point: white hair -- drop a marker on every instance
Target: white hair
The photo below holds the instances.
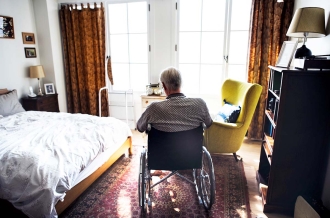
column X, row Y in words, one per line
column 171, row 77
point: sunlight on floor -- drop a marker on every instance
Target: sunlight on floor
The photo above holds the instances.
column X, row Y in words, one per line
column 123, row 199
column 257, row 197
column 172, row 194
column 155, row 179
column 259, row 207
column 241, row 213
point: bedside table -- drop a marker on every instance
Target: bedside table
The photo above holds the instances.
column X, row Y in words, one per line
column 148, row 99
column 41, row 103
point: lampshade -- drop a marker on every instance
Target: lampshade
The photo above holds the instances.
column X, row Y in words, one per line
column 37, row 72
column 307, row 20
column 308, row 23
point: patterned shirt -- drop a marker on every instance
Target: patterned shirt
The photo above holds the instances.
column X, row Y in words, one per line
column 176, row 113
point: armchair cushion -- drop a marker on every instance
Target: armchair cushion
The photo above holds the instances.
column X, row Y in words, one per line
column 228, row 113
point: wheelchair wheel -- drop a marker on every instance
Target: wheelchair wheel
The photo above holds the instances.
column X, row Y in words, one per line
column 141, row 178
column 144, row 183
column 207, row 180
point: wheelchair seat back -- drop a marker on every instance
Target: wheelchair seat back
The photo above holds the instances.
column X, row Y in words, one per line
column 175, row 150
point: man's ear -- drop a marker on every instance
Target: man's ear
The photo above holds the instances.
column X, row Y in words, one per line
column 165, row 88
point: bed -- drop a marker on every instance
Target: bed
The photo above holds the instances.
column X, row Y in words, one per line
column 48, row 159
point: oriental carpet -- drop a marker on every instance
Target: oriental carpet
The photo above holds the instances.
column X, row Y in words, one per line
column 115, row 193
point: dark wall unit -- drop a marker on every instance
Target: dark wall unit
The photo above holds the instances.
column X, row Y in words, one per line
column 295, row 148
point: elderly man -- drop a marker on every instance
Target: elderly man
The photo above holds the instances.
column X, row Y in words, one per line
column 177, row 112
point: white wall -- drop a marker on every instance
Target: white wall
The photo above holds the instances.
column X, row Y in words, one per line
column 162, row 14
column 14, row 66
column 48, row 30
column 41, row 18
column 320, row 46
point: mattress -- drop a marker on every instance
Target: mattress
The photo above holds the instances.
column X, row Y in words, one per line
column 44, row 154
column 99, row 161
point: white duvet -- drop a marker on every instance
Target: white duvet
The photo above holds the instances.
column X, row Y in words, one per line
column 42, row 153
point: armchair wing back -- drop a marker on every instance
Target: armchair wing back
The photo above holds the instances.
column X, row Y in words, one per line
column 228, row 137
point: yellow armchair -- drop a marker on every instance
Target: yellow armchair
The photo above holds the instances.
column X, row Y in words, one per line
column 228, row 137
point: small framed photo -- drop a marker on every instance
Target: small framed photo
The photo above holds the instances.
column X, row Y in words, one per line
column 285, row 57
column 49, row 88
column 28, row 38
column 30, row 52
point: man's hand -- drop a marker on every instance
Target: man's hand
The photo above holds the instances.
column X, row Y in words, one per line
column 148, row 128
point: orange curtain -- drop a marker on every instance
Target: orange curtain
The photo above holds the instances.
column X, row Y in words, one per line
column 270, row 21
column 83, row 38
column 109, row 70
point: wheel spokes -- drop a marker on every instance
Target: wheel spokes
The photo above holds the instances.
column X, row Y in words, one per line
column 206, row 186
column 207, row 180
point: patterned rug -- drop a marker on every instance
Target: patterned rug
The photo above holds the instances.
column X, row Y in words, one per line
column 115, row 193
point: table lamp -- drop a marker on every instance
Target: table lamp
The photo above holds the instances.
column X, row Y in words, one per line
column 37, row 72
column 307, row 23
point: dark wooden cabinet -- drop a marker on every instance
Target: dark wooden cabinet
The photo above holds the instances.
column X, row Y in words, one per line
column 296, row 142
column 41, row 103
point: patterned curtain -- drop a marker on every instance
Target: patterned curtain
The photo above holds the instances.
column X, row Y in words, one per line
column 83, row 38
column 109, row 70
column 270, row 21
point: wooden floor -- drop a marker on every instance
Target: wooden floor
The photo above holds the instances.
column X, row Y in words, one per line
column 250, row 152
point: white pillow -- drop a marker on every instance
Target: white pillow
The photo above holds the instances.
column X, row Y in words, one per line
column 9, row 104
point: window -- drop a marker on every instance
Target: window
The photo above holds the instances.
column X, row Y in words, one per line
column 128, row 44
column 212, row 43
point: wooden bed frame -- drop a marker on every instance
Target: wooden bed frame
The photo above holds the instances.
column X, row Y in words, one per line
column 77, row 190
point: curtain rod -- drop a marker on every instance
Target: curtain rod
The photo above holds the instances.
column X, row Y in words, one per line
column 81, row 3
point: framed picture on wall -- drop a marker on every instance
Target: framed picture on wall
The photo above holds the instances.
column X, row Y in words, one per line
column 7, row 27
column 28, row 38
column 49, row 88
column 30, row 52
column 285, row 57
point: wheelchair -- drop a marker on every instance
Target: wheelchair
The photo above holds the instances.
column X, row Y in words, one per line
column 174, row 151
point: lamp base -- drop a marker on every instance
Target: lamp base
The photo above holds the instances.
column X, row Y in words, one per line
column 39, row 92
column 303, row 52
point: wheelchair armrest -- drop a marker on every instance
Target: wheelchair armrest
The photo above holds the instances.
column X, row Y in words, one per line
column 227, row 125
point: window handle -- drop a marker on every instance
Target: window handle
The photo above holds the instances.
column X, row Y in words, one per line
column 225, row 58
